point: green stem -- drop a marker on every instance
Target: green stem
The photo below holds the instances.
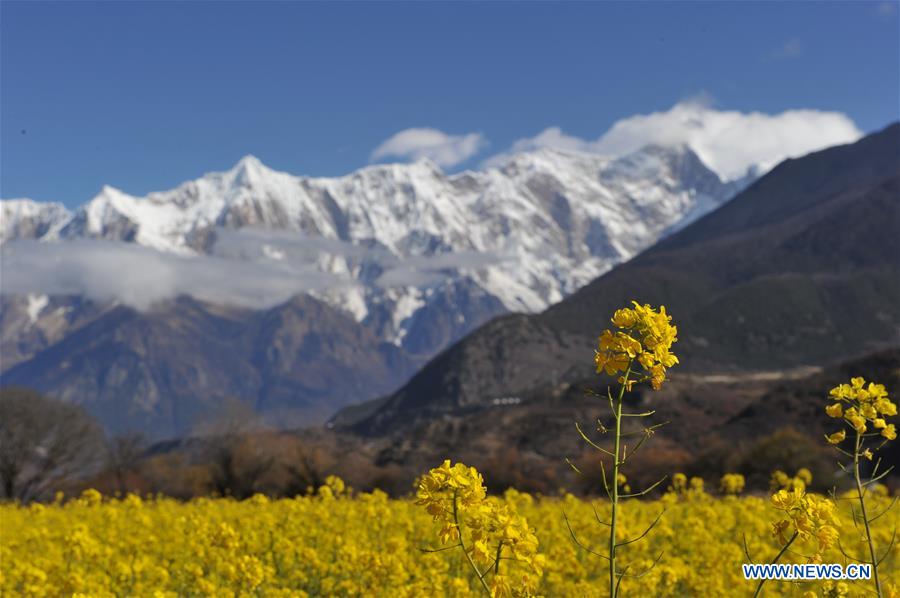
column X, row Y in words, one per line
column 617, row 412
column 775, row 560
column 463, row 546
column 497, row 562
column 865, row 517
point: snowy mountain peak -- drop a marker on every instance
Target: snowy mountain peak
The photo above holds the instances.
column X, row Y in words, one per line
column 401, row 244
column 29, row 219
column 249, row 161
column 249, row 170
column 111, row 195
column 430, row 165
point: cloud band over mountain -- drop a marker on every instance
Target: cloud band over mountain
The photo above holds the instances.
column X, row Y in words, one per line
column 443, row 149
column 249, row 268
column 728, row 141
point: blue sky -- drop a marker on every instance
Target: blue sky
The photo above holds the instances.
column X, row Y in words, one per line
column 143, row 96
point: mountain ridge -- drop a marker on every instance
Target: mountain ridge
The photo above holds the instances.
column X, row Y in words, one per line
column 177, row 362
column 576, row 206
column 400, row 259
column 752, row 285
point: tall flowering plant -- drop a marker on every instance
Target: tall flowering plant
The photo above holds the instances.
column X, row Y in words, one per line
column 805, row 518
column 637, row 350
column 865, row 410
column 485, row 531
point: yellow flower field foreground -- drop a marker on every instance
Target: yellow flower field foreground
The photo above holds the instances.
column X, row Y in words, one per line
column 369, row 545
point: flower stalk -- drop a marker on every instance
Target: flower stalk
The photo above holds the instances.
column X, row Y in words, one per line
column 861, row 495
column 456, row 498
column 774, row 561
column 614, row 578
column 640, row 349
column 465, row 551
column 865, row 409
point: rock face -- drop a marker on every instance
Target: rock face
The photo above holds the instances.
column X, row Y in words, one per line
column 420, row 259
column 26, row 219
column 164, row 371
column 527, row 234
column 802, row 268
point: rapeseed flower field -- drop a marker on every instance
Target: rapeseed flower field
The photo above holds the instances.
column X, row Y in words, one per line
column 337, row 543
column 451, row 538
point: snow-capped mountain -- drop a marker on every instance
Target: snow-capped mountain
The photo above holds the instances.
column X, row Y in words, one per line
column 27, row 219
column 308, row 294
column 410, row 237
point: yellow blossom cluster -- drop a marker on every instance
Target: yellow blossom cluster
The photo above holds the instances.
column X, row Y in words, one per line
column 641, row 344
column 831, row 589
column 862, row 405
column 499, row 540
column 731, row 483
column 446, row 491
column 683, row 488
column 782, row 481
column 366, row 544
column 333, row 487
column 806, row 516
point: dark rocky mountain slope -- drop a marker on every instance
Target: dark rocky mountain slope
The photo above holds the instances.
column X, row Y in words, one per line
column 800, row 269
column 164, row 371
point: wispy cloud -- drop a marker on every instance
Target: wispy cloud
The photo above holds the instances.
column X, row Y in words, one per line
column 887, row 9
column 141, row 277
column 388, row 269
column 248, row 268
column 729, row 142
column 792, row 48
column 429, row 270
column 445, row 150
column 256, row 243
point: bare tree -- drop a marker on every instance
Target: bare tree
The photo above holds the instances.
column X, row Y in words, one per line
column 43, row 442
column 123, row 453
column 236, row 457
column 307, row 467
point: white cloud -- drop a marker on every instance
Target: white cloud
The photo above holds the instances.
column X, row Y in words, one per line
column 423, row 271
column 729, row 142
column 445, row 150
column 249, row 268
column 549, row 137
column 887, row 9
column 141, row 277
column 792, row 48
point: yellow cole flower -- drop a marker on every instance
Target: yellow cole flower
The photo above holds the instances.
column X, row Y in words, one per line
column 485, row 529
column 779, row 479
column 868, row 404
column 732, row 483
column 857, row 421
column 783, row 481
column 643, row 341
column 834, row 410
column 625, row 318
column 697, row 484
column 841, row 392
column 785, row 501
column 366, row 544
column 837, row 437
column 868, row 411
column 885, row 407
column 807, row 516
